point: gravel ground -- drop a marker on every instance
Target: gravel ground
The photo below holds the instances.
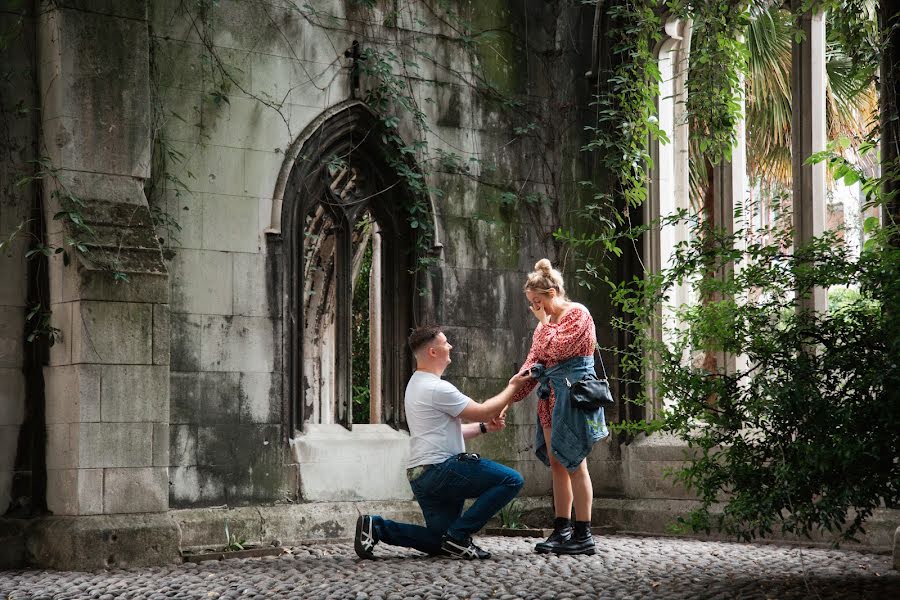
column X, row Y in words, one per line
column 623, row 568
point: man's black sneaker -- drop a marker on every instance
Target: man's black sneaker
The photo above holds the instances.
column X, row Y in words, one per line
column 463, row 548
column 364, row 542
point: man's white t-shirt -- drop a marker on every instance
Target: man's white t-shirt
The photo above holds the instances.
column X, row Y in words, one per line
column 432, row 413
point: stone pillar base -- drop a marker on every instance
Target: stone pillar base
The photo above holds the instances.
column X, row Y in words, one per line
column 101, row 542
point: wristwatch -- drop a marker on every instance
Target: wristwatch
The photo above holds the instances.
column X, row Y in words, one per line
column 483, row 427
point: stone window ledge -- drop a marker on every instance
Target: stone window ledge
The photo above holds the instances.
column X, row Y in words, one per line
column 368, row 463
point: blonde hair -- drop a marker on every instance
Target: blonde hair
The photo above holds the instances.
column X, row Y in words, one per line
column 545, row 278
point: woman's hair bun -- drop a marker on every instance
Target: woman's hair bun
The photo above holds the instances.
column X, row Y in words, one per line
column 543, row 265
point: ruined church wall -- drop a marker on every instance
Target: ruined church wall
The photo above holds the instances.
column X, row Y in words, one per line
column 227, row 138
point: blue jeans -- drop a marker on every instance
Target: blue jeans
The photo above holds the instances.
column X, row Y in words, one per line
column 441, row 491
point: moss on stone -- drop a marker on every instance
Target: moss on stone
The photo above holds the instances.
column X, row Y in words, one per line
column 502, row 60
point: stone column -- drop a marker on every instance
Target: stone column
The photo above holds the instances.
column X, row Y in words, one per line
column 730, row 192
column 107, row 382
column 669, row 178
column 807, row 137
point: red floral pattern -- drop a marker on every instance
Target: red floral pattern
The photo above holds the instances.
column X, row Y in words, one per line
column 554, row 343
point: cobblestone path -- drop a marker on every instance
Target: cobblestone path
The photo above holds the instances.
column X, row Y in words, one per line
column 625, row 567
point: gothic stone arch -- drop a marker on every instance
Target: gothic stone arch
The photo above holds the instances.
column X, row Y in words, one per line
column 339, row 172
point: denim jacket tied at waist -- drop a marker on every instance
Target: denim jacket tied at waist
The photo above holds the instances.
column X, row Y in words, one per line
column 574, row 431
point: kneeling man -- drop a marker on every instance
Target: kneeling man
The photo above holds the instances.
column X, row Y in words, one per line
column 442, row 475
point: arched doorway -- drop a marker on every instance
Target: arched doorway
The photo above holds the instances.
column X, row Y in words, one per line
column 345, row 228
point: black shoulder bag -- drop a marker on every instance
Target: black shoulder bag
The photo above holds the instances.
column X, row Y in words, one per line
column 590, row 392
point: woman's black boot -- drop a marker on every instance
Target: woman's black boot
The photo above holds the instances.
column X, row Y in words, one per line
column 562, row 532
column 581, row 542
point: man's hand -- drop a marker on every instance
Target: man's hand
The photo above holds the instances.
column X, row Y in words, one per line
column 497, row 423
column 519, row 379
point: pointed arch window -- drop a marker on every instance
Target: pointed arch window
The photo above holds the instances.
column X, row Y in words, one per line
column 351, row 298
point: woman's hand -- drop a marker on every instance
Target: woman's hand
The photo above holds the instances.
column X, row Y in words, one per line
column 539, row 313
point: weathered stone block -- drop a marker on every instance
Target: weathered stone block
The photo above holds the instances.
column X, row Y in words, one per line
column 134, row 393
column 130, row 9
column 110, row 445
column 184, row 488
column 253, row 286
column 112, row 333
column 161, row 336
column 127, row 153
column 75, row 491
column 182, row 114
column 6, row 477
column 654, row 479
column 201, row 486
column 13, row 265
column 240, row 445
column 260, row 397
column 245, row 25
column 657, row 447
column 62, row 446
column 323, row 521
column 260, row 173
column 492, row 352
column 231, row 223
column 161, row 445
column 184, row 348
column 240, row 344
column 94, row 284
column 210, row 169
column 8, row 444
column 335, row 464
column 169, row 19
column 72, row 393
column 182, row 445
column 219, row 398
column 12, row 335
column 230, row 73
column 274, row 78
column 201, row 282
column 81, row 68
column 185, row 398
column 181, row 63
column 103, row 542
column 186, row 210
column 487, row 298
column 484, row 243
column 135, row 490
column 202, row 527
column 12, row 537
column 61, row 319
column 248, row 123
column 12, row 396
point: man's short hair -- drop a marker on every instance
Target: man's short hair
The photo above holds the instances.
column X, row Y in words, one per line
column 421, row 336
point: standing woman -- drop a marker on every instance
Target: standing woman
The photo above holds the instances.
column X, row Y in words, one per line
column 562, row 350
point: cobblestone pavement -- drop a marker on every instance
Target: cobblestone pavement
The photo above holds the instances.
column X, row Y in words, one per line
column 625, row 567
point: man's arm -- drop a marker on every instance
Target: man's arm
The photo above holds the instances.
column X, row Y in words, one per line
column 476, row 412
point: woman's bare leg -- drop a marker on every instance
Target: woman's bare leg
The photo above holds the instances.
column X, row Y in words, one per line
column 582, row 490
column 562, row 485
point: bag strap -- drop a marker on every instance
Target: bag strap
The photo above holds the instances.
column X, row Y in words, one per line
column 600, row 358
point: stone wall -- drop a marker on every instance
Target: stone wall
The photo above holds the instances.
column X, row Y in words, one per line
column 237, row 83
